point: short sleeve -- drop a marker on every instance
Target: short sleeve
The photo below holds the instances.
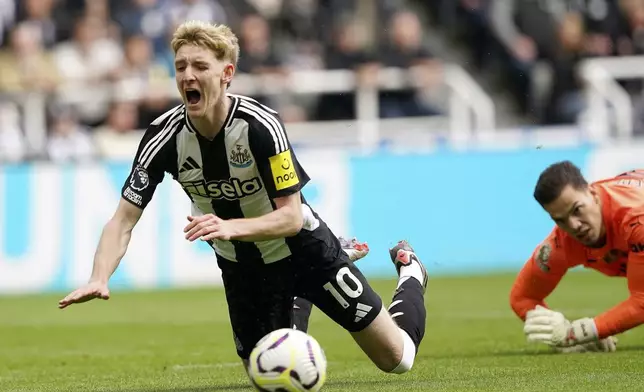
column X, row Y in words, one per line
column 152, row 160
column 277, row 163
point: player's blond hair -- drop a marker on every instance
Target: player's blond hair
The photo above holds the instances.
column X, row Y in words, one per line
column 219, row 38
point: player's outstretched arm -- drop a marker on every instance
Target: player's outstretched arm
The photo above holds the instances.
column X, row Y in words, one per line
column 537, row 279
column 553, row 329
column 112, row 246
column 539, row 276
column 629, row 313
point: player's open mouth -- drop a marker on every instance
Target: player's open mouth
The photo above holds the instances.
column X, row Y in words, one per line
column 193, row 96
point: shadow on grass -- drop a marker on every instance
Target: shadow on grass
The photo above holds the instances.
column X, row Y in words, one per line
column 230, row 387
column 243, row 386
column 517, row 353
column 247, row 387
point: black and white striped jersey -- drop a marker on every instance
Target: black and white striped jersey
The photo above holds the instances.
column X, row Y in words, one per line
column 236, row 175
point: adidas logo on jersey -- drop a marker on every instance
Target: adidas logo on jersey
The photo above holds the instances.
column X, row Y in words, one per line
column 189, row 164
column 362, row 310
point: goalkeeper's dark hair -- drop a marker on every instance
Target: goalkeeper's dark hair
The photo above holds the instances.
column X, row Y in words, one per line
column 555, row 178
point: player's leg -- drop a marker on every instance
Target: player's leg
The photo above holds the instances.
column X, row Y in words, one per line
column 301, row 313
column 389, row 340
column 394, row 336
column 302, row 307
column 259, row 299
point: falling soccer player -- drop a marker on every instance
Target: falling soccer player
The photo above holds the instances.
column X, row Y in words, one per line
column 233, row 158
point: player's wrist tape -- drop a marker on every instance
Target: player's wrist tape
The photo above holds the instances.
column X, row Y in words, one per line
column 580, row 331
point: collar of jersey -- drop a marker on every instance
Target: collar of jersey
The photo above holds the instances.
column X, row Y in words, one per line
column 227, row 122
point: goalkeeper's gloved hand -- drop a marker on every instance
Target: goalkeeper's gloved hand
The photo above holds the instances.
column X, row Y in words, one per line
column 607, row 345
column 552, row 328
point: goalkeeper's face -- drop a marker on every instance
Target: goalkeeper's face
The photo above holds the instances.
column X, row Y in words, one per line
column 578, row 212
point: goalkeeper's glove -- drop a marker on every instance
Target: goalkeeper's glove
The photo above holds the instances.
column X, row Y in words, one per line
column 552, row 328
column 607, row 345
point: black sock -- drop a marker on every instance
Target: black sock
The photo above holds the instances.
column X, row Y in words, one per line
column 408, row 309
column 301, row 313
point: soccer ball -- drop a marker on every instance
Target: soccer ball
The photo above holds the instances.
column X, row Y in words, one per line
column 287, row 360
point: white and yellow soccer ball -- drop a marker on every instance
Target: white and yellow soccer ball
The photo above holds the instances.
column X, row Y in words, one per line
column 287, row 360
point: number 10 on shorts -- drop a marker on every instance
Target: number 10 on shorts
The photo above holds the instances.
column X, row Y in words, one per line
column 342, row 284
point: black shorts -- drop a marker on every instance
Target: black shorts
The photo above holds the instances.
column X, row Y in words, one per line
column 260, row 298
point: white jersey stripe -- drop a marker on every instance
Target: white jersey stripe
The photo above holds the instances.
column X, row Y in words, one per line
column 167, row 132
column 275, row 127
column 257, row 103
column 268, row 126
column 158, row 121
column 155, row 140
column 162, row 117
column 281, row 136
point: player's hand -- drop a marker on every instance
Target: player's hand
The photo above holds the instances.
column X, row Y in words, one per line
column 86, row 293
column 208, row 227
column 550, row 327
column 607, row 345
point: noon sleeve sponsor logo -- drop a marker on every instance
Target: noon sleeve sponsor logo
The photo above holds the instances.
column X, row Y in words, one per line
column 283, row 170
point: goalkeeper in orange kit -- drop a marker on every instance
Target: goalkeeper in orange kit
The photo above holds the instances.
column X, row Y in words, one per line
column 600, row 226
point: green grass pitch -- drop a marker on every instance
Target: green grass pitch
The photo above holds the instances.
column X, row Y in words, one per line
column 181, row 341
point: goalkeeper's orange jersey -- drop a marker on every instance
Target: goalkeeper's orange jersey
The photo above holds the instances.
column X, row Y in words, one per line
column 623, row 255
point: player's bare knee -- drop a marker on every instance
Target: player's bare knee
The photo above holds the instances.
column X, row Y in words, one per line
column 388, row 347
column 404, row 360
column 388, row 358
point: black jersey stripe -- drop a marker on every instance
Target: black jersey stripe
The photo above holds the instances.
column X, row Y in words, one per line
column 214, row 158
column 278, row 146
column 277, row 130
column 170, row 117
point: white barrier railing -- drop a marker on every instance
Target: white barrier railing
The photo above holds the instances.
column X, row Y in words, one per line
column 469, row 109
column 610, row 109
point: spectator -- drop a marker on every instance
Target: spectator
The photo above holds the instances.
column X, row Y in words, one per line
column 476, row 29
column 7, row 18
column 259, row 57
column 85, row 63
column 26, row 66
column 565, row 101
column 259, row 54
column 604, row 24
column 114, row 138
column 206, row 10
column 405, row 50
column 69, row 140
column 141, row 80
column 38, row 13
column 12, row 143
column 346, row 51
column 527, row 32
column 634, row 44
column 147, row 18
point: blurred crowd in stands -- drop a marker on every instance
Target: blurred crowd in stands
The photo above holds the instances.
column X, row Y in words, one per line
column 104, row 64
column 532, row 47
